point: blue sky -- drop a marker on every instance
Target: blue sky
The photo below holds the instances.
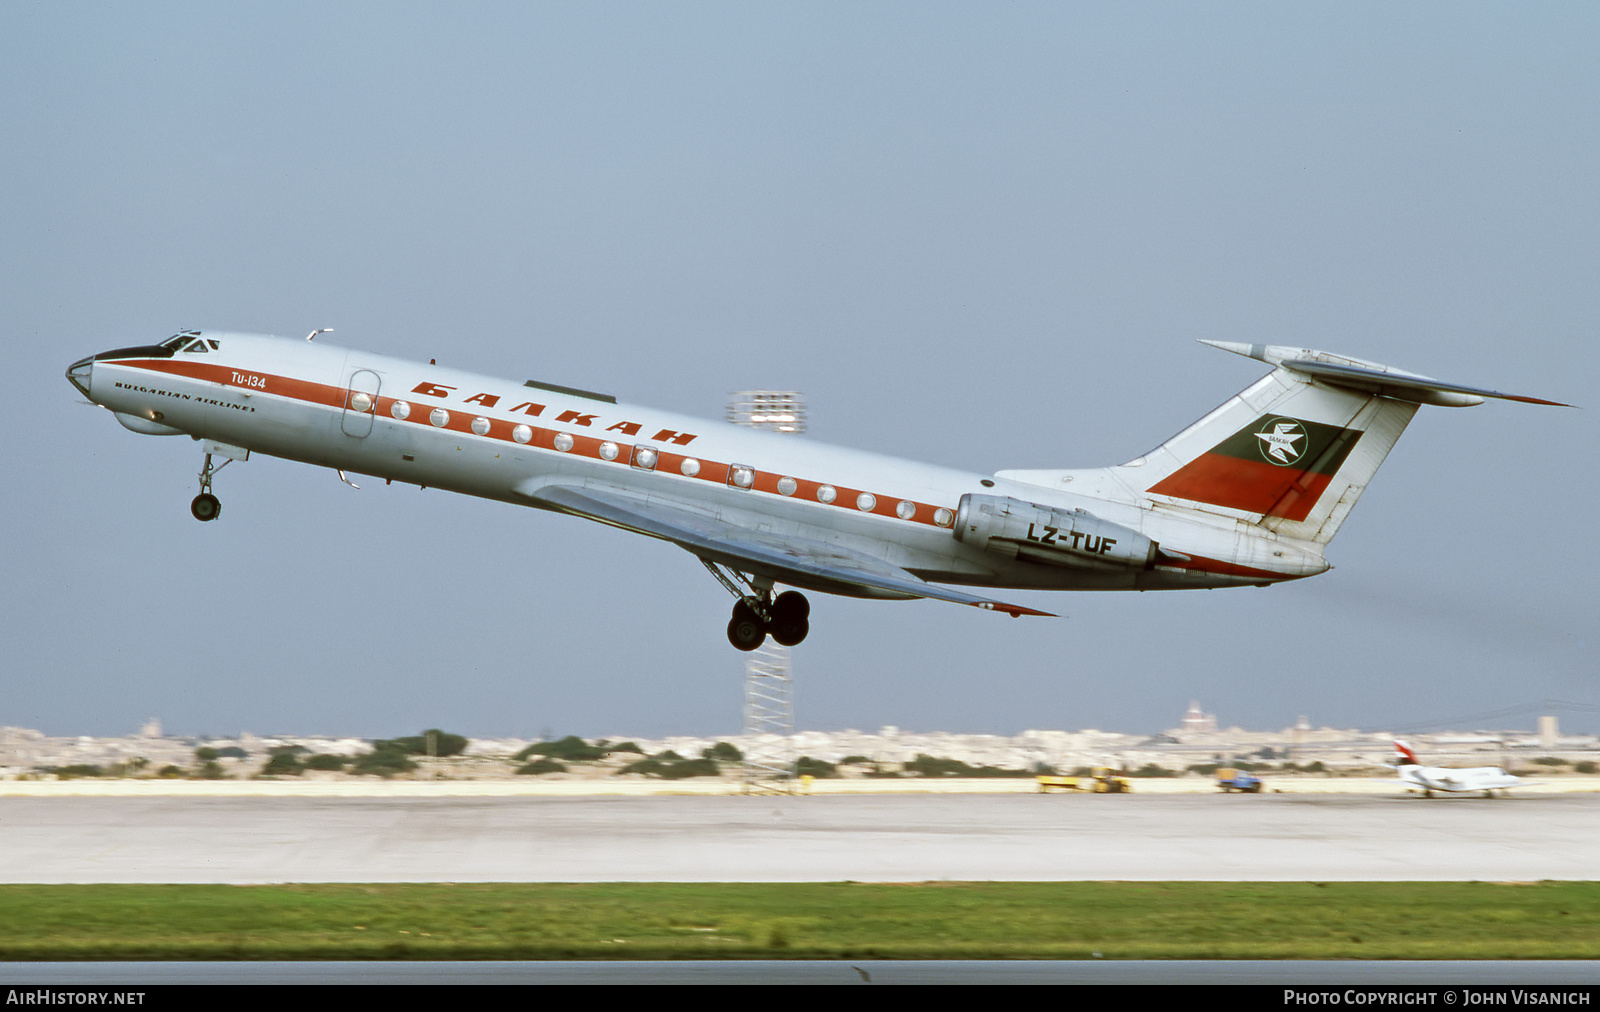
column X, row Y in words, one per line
column 978, row 235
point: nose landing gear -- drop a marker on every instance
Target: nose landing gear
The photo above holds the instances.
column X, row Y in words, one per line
column 206, row 507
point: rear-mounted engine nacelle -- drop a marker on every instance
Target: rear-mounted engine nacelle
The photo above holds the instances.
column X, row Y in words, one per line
column 1058, row 537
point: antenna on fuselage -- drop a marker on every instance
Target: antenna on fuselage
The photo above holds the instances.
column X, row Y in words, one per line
column 314, row 333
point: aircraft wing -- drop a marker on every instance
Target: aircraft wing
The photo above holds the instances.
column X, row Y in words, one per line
column 798, row 561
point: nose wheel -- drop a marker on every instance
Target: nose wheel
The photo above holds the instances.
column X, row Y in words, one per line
column 206, row 507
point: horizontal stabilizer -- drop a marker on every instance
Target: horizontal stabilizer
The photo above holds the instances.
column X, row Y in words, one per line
column 1371, row 377
column 1402, row 385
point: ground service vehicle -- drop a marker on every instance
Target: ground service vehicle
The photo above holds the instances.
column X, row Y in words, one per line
column 1230, row 780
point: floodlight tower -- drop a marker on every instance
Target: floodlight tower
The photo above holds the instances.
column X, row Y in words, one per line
column 768, row 691
column 774, row 410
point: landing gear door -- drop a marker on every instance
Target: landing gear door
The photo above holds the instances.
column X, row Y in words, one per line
column 360, row 403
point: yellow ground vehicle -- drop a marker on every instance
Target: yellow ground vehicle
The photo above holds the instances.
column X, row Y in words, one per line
column 1101, row 780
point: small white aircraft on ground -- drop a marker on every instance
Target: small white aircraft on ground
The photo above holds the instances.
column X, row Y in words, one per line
column 1248, row 496
column 1428, row 779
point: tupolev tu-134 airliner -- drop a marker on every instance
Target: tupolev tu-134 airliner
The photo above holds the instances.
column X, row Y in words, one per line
column 1247, row 496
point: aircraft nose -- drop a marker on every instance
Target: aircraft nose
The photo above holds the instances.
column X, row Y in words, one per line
column 81, row 375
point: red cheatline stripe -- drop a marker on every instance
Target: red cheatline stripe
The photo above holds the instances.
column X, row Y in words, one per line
column 583, row 445
column 1201, row 564
column 283, row 386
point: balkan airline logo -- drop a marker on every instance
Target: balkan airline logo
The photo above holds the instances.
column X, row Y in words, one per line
column 1283, row 441
column 1276, row 466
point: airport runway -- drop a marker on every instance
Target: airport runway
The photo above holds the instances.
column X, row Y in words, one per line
column 889, row 838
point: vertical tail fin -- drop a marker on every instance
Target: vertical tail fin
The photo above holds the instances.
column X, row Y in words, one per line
column 1291, row 454
column 1295, row 450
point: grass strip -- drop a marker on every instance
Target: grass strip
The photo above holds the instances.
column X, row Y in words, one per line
column 840, row 920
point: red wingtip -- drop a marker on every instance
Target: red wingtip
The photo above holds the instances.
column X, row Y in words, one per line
column 1014, row 610
column 1534, row 400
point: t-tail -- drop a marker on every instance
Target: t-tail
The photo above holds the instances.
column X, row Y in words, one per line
column 1295, row 450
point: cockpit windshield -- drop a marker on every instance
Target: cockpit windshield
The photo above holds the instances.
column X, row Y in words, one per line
column 190, row 341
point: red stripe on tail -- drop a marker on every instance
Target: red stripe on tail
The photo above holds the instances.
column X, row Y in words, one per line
column 1248, row 485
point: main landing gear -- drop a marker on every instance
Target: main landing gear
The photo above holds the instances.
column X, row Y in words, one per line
column 786, row 619
column 757, row 614
column 207, row 507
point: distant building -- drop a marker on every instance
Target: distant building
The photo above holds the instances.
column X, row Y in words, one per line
column 1197, row 722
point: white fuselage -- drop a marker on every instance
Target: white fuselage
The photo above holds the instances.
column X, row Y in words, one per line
column 1475, row 778
column 444, row 428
